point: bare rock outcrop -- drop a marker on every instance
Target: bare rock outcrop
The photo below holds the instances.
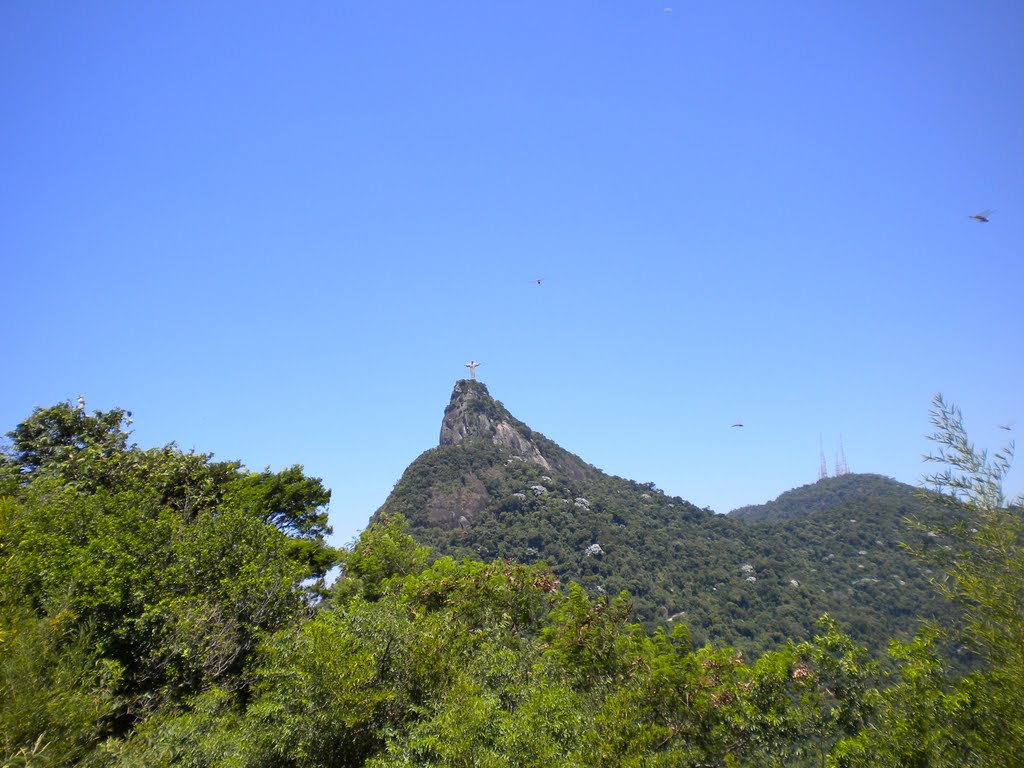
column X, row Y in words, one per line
column 472, row 414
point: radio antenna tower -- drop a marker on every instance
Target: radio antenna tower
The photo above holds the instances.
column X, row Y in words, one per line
column 823, row 467
column 842, row 468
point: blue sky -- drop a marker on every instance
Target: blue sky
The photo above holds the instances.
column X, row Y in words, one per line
column 276, row 232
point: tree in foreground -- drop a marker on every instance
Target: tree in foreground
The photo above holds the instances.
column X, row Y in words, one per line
column 928, row 717
column 133, row 580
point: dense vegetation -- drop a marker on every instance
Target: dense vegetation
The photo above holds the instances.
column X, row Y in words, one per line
column 159, row 608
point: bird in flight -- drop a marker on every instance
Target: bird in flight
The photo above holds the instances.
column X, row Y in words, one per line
column 537, row 280
column 1008, row 426
column 982, row 217
column 738, row 424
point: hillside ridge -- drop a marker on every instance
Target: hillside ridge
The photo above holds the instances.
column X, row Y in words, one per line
column 495, row 489
column 824, row 494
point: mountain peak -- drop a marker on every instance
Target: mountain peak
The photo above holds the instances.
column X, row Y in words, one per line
column 472, row 414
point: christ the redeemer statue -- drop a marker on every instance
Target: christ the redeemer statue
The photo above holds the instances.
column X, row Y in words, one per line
column 472, row 364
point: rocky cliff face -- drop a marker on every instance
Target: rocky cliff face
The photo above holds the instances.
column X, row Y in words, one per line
column 473, row 414
column 484, row 454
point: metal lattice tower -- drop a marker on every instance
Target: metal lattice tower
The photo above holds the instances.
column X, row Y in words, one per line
column 823, row 467
column 842, row 468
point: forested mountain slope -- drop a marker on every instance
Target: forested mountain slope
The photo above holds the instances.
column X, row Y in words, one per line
column 494, row 488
